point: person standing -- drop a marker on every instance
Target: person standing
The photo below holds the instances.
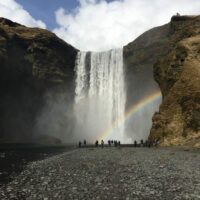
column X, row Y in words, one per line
column 119, row 144
column 97, row 143
column 84, row 142
column 135, row 143
column 102, row 143
column 79, row 144
column 141, row 143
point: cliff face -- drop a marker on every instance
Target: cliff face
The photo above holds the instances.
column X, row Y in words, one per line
column 36, row 67
column 139, row 57
column 178, row 75
column 33, row 63
column 169, row 55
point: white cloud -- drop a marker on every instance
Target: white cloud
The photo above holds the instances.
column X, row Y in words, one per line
column 10, row 9
column 99, row 25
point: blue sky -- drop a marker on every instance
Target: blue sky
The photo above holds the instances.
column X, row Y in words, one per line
column 96, row 25
column 45, row 9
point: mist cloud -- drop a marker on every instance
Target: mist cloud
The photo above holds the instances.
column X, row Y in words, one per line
column 10, row 9
column 99, row 25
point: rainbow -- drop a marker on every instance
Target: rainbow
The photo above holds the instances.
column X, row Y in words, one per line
column 131, row 111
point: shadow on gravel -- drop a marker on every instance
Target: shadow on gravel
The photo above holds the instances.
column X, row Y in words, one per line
column 14, row 157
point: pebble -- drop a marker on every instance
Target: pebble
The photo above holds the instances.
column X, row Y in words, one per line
column 125, row 174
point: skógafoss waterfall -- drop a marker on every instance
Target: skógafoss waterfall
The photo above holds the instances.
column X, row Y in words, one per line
column 100, row 95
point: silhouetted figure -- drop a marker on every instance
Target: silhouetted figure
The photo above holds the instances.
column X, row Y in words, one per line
column 115, row 143
column 97, row 143
column 79, row 144
column 109, row 143
column 84, row 142
column 178, row 14
column 102, row 143
column 146, row 143
column 135, row 143
column 150, row 143
column 119, row 143
column 141, row 143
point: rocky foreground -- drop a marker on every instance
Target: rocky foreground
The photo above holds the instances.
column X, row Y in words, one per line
column 110, row 173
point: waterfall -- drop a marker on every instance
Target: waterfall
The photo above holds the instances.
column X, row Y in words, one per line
column 100, row 95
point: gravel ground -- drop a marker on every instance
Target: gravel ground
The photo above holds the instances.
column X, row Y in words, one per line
column 110, row 173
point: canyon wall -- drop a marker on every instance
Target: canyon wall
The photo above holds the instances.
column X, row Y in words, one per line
column 178, row 75
column 34, row 65
column 37, row 68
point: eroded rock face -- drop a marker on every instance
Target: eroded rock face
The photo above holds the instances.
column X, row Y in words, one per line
column 178, row 75
column 139, row 57
column 33, row 63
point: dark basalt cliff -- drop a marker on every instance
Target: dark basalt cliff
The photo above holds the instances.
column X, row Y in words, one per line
column 178, row 75
column 33, row 63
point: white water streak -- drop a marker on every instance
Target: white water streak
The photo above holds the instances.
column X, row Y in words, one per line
column 100, row 94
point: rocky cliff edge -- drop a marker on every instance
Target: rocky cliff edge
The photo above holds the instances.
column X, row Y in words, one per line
column 178, row 75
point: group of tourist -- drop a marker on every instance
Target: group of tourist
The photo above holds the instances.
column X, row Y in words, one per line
column 97, row 144
column 115, row 143
column 147, row 143
column 110, row 143
column 80, row 143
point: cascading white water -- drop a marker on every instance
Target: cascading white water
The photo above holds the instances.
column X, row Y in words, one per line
column 100, row 95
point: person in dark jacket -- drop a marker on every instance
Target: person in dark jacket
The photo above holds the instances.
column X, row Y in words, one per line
column 119, row 144
column 135, row 143
column 79, row 144
column 102, row 143
column 146, row 143
column 84, row 142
